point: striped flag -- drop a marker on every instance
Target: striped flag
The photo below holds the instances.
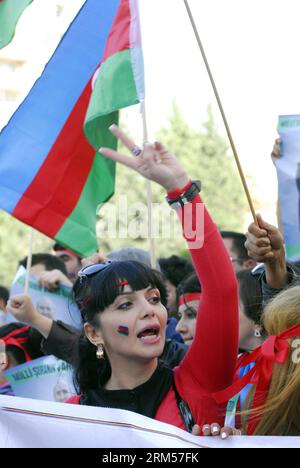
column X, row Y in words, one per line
column 119, row 81
column 51, row 178
column 10, row 12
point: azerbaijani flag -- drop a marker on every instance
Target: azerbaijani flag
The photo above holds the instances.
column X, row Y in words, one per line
column 10, row 12
column 51, row 178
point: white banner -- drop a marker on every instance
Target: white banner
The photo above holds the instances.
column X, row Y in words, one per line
column 28, row 423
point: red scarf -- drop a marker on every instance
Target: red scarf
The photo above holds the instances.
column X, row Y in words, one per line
column 14, row 340
column 188, row 297
column 275, row 350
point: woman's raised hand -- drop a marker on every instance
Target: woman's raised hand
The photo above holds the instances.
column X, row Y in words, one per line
column 154, row 161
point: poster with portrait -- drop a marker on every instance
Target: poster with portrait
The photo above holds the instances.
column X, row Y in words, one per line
column 57, row 305
column 46, row 378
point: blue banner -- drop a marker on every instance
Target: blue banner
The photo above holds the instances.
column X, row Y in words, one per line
column 288, row 173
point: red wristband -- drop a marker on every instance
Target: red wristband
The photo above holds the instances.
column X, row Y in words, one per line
column 177, row 192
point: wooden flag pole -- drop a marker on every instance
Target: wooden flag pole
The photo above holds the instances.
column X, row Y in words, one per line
column 149, row 193
column 236, row 157
column 29, row 261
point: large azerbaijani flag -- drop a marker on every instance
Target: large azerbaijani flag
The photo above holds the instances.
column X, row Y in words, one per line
column 10, row 12
column 51, row 177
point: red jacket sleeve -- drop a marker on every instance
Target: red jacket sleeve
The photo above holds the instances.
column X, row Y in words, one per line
column 210, row 363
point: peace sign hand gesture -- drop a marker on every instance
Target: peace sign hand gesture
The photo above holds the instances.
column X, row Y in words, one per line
column 155, row 162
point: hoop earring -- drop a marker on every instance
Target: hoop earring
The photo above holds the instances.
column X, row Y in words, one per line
column 100, row 352
column 257, row 333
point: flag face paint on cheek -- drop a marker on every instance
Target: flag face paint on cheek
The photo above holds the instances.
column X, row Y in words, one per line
column 123, row 330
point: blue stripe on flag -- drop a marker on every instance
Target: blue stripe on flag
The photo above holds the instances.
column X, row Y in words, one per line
column 31, row 132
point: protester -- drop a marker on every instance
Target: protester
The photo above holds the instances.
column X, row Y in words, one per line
column 60, row 339
column 20, row 344
column 235, row 246
column 265, row 244
column 251, row 332
column 71, row 260
column 125, row 298
column 4, row 295
column 188, row 296
column 49, row 270
column 272, row 407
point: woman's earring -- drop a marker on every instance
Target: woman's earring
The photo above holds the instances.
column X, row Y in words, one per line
column 257, row 333
column 100, row 352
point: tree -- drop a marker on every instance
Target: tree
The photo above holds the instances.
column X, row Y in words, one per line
column 14, row 241
column 206, row 157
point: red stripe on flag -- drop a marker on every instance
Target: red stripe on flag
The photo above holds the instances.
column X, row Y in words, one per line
column 119, row 37
column 56, row 189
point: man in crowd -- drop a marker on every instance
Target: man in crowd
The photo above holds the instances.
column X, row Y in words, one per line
column 71, row 260
column 50, row 270
column 235, row 245
column 265, row 244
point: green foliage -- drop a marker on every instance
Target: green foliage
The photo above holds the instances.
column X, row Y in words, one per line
column 205, row 156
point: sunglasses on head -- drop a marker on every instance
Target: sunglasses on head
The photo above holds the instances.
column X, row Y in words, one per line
column 93, row 269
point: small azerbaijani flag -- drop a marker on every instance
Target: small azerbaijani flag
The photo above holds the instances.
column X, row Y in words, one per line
column 10, row 12
column 51, row 178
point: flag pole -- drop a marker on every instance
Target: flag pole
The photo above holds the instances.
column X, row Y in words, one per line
column 29, row 261
column 149, row 193
column 235, row 153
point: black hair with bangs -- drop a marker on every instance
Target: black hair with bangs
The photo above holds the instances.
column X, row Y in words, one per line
column 93, row 294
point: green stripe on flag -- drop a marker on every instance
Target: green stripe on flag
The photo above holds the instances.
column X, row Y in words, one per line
column 79, row 230
column 115, row 89
column 10, row 12
column 293, row 250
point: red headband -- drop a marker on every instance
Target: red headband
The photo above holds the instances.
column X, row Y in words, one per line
column 275, row 350
column 189, row 297
column 14, row 340
column 67, row 251
column 123, row 283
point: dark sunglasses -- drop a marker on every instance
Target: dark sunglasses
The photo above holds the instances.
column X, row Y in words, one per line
column 93, row 269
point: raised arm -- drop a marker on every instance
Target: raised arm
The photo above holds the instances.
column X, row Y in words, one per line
column 212, row 358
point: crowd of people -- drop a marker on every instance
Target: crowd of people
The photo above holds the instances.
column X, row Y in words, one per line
column 208, row 343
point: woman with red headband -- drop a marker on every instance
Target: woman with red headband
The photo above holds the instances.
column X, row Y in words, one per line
column 125, row 320
column 18, row 344
column 189, row 296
